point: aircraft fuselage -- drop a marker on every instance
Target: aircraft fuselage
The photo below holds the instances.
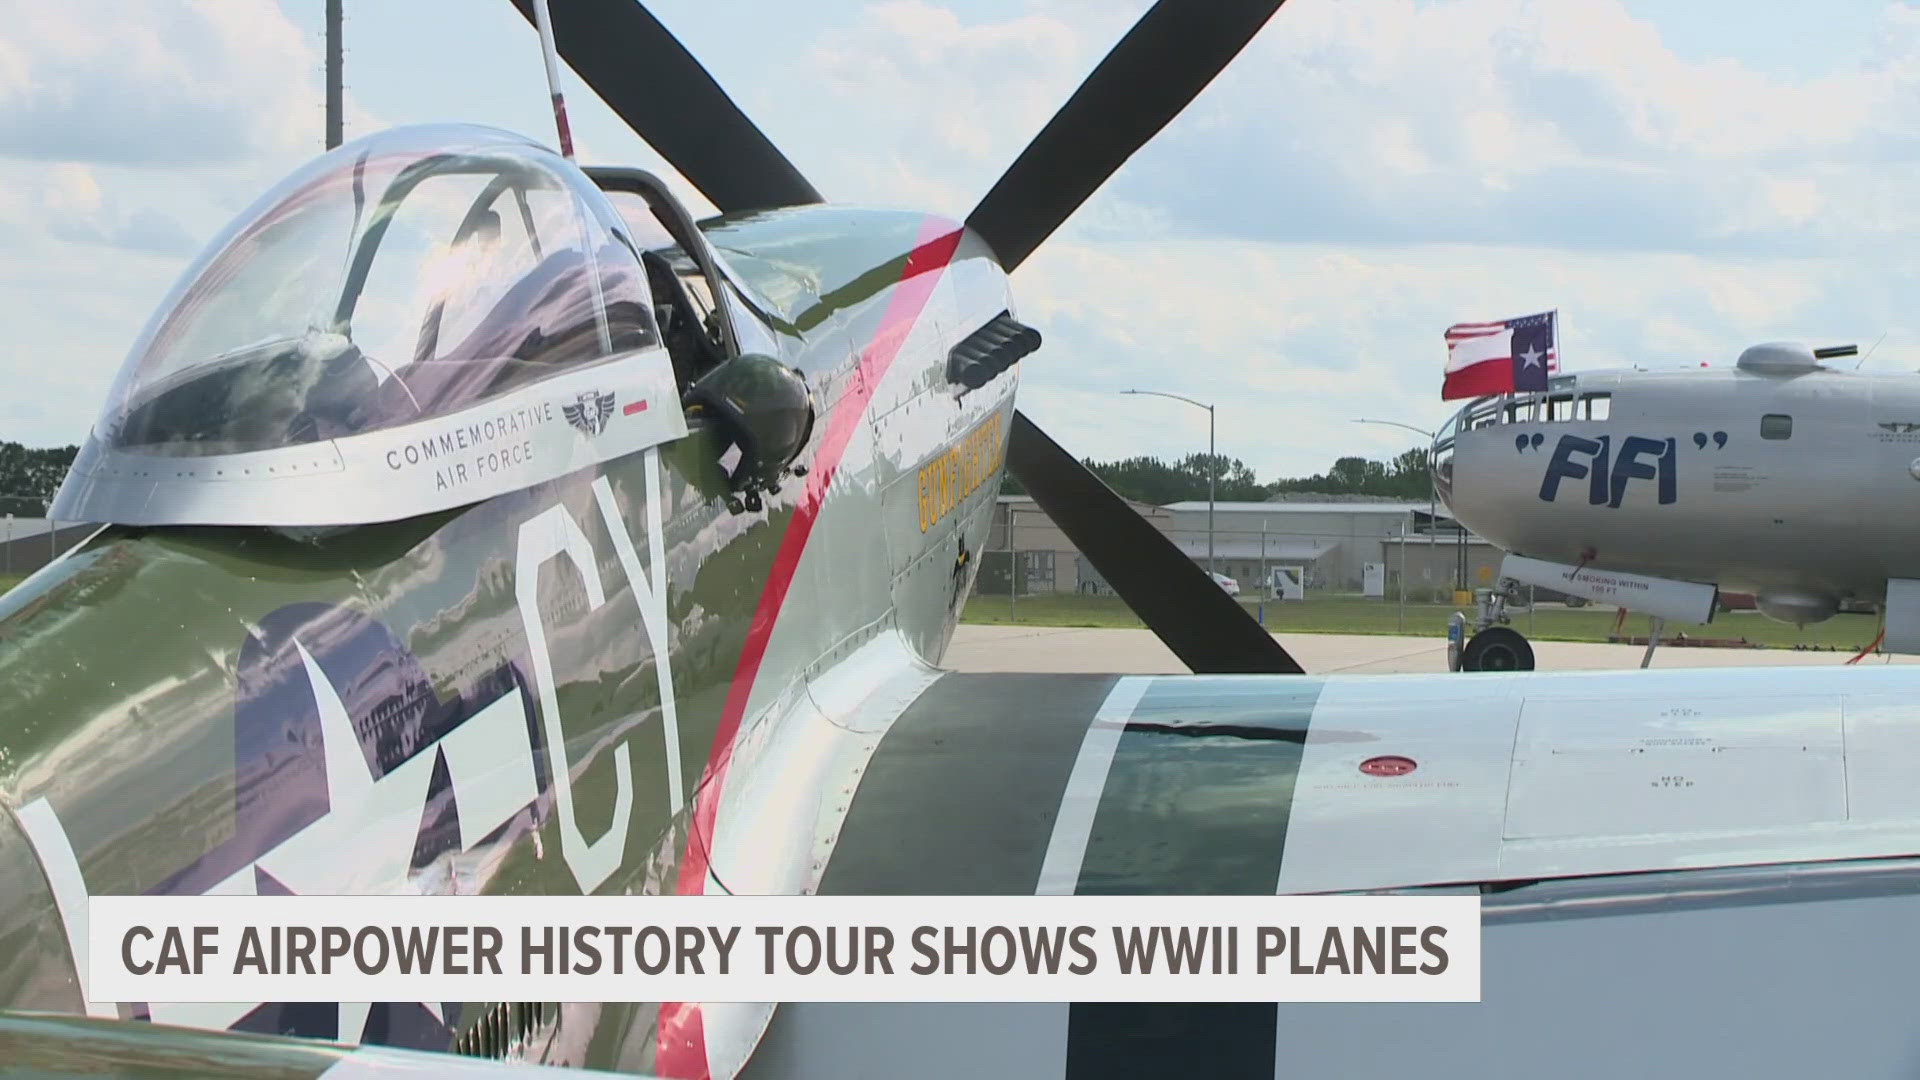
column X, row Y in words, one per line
column 1754, row 482
column 546, row 692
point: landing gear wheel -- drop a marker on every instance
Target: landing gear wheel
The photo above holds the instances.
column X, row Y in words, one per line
column 1497, row 648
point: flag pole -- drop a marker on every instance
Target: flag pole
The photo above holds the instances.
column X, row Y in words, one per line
column 544, row 24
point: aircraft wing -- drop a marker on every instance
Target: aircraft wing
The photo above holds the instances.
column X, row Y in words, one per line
column 43, row 1046
column 1249, row 784
column 1684, row 872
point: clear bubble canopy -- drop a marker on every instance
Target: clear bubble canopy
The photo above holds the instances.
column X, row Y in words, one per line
column 415, row 274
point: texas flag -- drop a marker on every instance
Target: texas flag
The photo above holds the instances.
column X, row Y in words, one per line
column 1501, row 357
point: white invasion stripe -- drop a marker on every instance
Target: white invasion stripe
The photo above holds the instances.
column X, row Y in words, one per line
column 649, row 592
column 62, row 867
column 1060, row 870
column 218, row 1015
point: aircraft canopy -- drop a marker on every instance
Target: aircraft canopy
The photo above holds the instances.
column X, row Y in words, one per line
column 418, row 274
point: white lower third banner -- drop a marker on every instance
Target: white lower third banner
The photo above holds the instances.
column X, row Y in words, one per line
column 783, row 948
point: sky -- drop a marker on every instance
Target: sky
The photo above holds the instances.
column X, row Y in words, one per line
column 1678, row 180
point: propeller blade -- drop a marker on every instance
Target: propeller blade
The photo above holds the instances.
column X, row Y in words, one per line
column 1207, row 629
column 1168, row 57
column 644, row 74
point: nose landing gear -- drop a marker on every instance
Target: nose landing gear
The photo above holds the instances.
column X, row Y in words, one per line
column 1497, row 648
column 1494, row 646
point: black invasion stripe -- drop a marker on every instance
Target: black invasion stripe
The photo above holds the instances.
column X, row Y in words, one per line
column 1196, row 803
column 960, row 797
column 958, row 800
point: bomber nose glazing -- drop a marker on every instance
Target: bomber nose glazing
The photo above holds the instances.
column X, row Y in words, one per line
column 1440, row 458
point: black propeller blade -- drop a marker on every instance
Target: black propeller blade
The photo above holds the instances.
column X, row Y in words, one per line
column 643, row 73
column 1164, row 61
column 1168, row 57
column 1207, row 629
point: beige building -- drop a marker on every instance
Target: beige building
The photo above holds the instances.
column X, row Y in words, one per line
column 1332, row 542
column 1048, row 561
column 1430, row 564
column 27, row 544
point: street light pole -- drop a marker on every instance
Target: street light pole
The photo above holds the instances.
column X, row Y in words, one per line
column 1212, row 464
column 1433, row 497
column 1212, row 470
column 335, row 95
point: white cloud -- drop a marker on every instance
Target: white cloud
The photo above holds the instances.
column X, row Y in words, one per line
column 177, row 82
column 1366, row 173
column 916, row 104
column 1520, row 121
column 1294, row 341
column 1565, row 122
column 130, row 131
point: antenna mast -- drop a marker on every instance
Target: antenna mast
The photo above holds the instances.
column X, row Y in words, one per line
column 545, row 25
column 334, row 58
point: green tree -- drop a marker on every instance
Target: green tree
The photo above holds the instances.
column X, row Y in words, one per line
column 1403, row 477
column 1148, row 480
column 28, row 477
column 1410, row 474
column 1151, row 480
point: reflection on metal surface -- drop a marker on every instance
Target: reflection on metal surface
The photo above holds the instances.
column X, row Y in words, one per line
column 189, row 745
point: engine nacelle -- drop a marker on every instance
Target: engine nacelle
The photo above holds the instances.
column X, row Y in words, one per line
column 1797, row 607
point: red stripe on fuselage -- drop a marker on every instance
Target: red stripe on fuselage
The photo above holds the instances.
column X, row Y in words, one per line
column 682, row 1044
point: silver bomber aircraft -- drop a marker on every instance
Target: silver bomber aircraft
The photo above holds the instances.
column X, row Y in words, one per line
column 478, row 523
column 1779, row 477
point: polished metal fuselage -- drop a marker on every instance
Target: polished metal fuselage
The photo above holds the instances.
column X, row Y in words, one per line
column 616, row 645
column 1826, row 500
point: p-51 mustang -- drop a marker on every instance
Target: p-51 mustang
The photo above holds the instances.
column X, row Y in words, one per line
column 1655, row 490
column 480, row 524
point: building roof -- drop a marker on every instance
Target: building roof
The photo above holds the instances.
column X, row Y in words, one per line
column 15, row 528
column 1394, row 508
column 1282, row 548
column 1144, row 509
column 1443, row 540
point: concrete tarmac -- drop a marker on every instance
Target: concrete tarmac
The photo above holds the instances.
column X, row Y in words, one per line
column 1138, row 652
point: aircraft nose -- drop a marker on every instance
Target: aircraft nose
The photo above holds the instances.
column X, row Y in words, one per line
column 1440, row 459
column 37, row 971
